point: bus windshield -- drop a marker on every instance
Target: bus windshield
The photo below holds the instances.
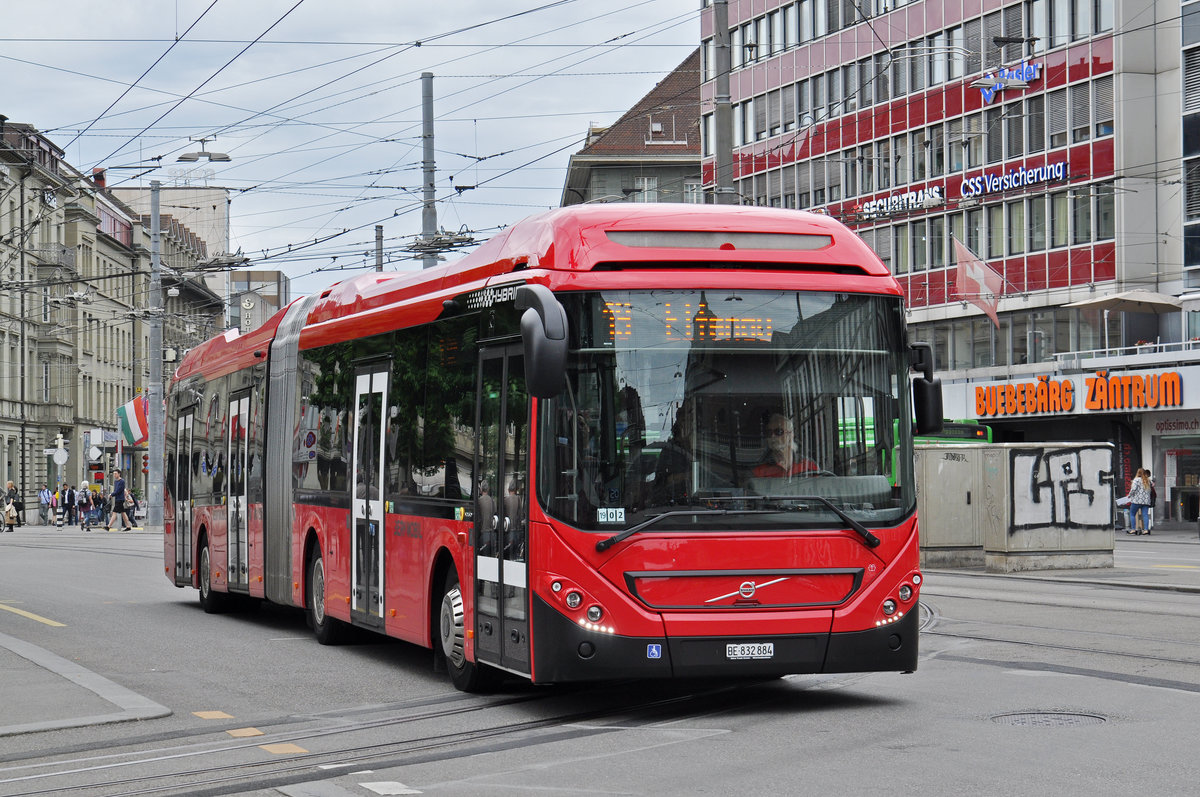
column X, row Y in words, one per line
column 749, row 405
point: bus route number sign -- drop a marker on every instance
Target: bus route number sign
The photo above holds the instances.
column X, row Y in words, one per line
column 749, row 650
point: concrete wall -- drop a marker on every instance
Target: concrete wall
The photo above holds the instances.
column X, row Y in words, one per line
column 1016, row 506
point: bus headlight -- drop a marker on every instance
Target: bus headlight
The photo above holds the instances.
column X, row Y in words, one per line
column 905, row 593
column 889, row 607
column 574, row 599
column 594, row 613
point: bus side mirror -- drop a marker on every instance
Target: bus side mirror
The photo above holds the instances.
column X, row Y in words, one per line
column 543, row 338
column 927, row 390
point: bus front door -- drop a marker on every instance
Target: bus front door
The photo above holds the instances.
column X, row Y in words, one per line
column 370, row 397
column 183, row 499
column 235, row 492
column 501, row 510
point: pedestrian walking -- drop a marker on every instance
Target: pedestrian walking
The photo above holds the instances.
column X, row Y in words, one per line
column 44, row 505
column 1139, row 503
column 118, row 499
column 69, row 505
column 83, row 506
column 10, row 506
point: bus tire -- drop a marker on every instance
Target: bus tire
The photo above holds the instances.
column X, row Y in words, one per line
column 326, row 629
column 212, row 602
column 450, row 643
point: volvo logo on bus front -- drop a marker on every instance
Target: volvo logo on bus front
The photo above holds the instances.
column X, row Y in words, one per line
column 747, row 589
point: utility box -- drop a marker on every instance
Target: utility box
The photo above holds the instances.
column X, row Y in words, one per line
column 1016, row 506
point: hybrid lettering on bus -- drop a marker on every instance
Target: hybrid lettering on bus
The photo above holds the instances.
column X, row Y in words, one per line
column 546, row 460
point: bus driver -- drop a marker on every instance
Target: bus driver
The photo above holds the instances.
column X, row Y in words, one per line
column 782, row 457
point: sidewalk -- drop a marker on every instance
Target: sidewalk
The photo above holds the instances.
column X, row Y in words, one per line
column 40, row 690
column 1130, row 550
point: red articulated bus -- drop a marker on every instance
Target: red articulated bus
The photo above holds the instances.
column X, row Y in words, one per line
column 608, row 443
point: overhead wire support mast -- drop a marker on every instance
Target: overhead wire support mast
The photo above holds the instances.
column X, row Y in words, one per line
column 428, row 209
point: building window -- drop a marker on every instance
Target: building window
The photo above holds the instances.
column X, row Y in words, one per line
column 920, row 245
column 1060, row 218
column 916, row 65
column 1104, row 15
column 1036, row 23
column 994, row 134
column 1016, row 227
column 1105, row 213
column 693, row 193
column 1191, row 189
column 866, row 169
column 1081, row 215
column 1081, row 112
column 850, row 169
column 937, row 241
column 1191, row 80
column 1102, row 103
column 971, row 42
column 937, row 59
column 973, row 137
column 900, row 247
column 900, row 156
column 1035, row 127
column 883, row 163
column 900, row 72
column 1060, row 22
column 992, row 28
column 995, row 214
column 1037, row 223
column 1056, row 117
column 937, row 151
column 645, row 189
column 955, row 61
column 1081, row 18
column 920, row 155
column 1014, row 121
column 957, row 233
column 975, row 230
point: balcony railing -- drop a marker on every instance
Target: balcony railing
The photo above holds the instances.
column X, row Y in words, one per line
column 54, row 255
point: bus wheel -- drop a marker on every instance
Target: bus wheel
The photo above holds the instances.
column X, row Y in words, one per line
column 211, row 602
column 451, row 642
column 328, row 630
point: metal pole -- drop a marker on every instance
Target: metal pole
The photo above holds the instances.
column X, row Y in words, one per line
column 379, row 247
column 428, row 211
column 156, row 445
column 723, row 110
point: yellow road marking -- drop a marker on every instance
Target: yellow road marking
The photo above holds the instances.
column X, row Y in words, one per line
column 32, row 616
column 238, row 733
column 213, row 715
column 283, row 747
column 1179, row 567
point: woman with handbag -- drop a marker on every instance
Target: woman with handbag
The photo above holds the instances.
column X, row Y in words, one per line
column 10, row 506
column 1139, row 503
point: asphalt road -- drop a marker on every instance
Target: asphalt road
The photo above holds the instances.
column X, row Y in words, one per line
column 1070, row 682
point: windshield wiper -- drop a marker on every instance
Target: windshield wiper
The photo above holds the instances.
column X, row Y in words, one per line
column 604, row 545
column 870, row 539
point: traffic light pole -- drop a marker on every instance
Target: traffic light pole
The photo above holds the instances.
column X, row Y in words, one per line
column 156, row 444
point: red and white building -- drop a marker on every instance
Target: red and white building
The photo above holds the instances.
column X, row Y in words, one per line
column 1050, row 137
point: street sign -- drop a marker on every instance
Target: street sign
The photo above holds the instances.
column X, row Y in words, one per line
column 94, row 453
column 48, row 451
column 61, row 456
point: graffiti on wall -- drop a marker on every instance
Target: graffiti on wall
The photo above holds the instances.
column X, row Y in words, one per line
column 1064, row 487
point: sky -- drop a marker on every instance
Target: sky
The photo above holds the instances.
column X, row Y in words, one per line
column 318, row 105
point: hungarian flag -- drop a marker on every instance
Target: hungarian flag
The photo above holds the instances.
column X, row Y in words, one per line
column 131, row 421
column 977, row 282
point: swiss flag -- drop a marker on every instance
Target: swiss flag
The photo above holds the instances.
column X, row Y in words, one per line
column 977, row 282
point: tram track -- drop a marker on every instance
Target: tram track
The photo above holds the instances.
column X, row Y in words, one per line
column 225, row 767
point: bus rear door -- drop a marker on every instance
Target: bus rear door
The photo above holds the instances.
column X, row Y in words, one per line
column 235, row 491
column 183, row 499
column 370, row 397
column 501, row 528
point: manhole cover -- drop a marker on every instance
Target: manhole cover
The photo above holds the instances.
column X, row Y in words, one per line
column 1048, row 719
